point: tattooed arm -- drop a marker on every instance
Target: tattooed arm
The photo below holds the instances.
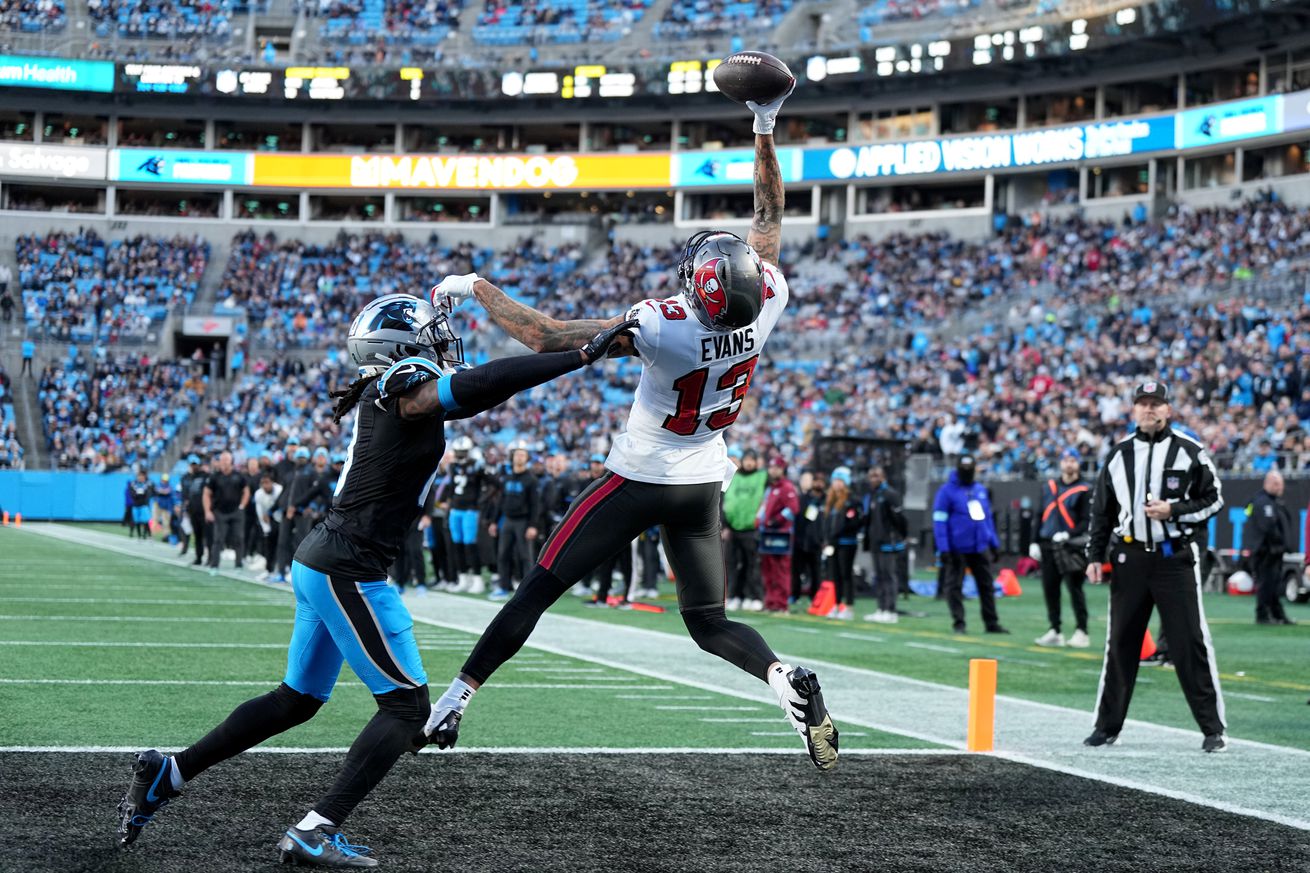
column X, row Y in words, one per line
column 766, row 228
column 539, row 331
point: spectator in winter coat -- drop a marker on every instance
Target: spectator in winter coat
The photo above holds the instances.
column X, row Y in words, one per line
column 965, row 536
column 777, row 521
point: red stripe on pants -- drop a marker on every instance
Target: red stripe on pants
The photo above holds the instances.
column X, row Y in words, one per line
column 574, row 518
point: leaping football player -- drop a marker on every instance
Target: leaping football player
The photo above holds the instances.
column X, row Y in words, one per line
column 698, row 350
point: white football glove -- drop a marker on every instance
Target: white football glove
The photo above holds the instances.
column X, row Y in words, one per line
column 451, row 291
column 766, row 114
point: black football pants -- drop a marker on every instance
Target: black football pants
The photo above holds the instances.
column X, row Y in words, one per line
column 606, row 517
column 1139, row 581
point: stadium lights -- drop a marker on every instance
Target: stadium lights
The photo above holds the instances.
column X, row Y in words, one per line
column 1078, row 37
column 819, row 67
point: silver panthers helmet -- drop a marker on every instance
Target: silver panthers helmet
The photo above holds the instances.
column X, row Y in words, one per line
column 401, row 326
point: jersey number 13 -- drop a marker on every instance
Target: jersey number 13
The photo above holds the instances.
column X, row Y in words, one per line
column 691, row 394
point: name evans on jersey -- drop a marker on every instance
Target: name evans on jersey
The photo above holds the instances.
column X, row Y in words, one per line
column 726, row 345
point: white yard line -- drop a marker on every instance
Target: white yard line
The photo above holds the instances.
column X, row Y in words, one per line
column 930, row 647
column 145, row 618
column 554, row 751
column 271, row 683
column 86, row 644
column 263, row 603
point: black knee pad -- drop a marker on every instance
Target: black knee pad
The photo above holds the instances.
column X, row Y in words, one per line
column 299, row 708
column 406, row 704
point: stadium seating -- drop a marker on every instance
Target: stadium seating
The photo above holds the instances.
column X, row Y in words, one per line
column 33, row 16
column 162, row 18
column 507, row 22
column 11, row 452
column 76, row 286
column 688, row 19
column 298, row 295
column 102, row 413
column 389, row 22
column 890, row 11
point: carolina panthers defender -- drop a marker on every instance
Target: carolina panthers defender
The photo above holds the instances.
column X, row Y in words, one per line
column 412, row 380
column 698, row 351
column 467, row 476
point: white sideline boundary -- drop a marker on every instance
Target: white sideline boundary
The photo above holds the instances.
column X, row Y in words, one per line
column 497, row 750
column 1159, row 744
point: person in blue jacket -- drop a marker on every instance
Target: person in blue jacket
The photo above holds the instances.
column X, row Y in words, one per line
column 965, row 536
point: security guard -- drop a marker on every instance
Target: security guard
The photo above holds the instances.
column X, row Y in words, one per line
column 1269, row 532
column 1156, row 489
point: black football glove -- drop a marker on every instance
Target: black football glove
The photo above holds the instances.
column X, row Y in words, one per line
column 599, row 345
column 442, row 728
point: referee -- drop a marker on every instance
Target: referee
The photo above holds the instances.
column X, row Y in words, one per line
column 1156, row 489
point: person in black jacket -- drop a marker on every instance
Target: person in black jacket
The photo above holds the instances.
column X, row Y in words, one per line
column 192, row 488
column 807, row 548
column 297, row 490
column 514, row 522
column 885, row 533
column 841, row 523
column 1269, row 526
column 1062, row 538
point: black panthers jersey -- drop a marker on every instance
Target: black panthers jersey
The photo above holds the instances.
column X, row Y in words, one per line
column 141, row 492
column 390, row 468
column 467, row 478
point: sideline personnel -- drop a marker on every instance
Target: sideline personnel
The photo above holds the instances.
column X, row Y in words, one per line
column 1156, row 489
column 1270, row 529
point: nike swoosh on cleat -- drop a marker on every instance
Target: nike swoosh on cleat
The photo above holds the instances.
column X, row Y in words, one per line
column 318, row 850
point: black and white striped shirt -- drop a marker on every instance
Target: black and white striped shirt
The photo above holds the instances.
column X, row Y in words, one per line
column 1169, row 466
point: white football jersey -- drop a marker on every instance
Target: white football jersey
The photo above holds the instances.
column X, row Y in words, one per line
column 693, row 382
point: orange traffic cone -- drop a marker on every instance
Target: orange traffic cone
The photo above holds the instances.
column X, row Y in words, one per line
column 6, row 518
column 1148, row 645
column 1009, row 583
column 825, row 599
column 18, row 519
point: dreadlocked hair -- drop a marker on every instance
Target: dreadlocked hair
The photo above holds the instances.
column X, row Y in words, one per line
column 348, row 397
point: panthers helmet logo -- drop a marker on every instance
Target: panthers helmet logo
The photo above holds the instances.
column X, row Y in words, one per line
column 709, row 288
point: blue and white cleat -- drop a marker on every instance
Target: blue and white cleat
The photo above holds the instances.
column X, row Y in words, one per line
column 151, row 788
column 322, row 846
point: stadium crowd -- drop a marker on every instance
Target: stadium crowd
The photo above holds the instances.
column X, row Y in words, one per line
column 77, row 286
column 11, row 452
column 103, row 413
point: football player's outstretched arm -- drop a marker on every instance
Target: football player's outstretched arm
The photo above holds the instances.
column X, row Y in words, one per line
column 468, row 392
column 539, row 331
column 766, row 226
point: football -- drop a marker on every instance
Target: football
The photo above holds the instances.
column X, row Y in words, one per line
column 753, row 76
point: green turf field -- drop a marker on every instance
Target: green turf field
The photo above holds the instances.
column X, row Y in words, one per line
column 1265, row 671
column 161, row 653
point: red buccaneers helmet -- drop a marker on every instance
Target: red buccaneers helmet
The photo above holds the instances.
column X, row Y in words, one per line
column 723, row 278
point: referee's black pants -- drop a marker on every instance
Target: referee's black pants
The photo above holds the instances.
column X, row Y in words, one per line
column 1139, row 581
